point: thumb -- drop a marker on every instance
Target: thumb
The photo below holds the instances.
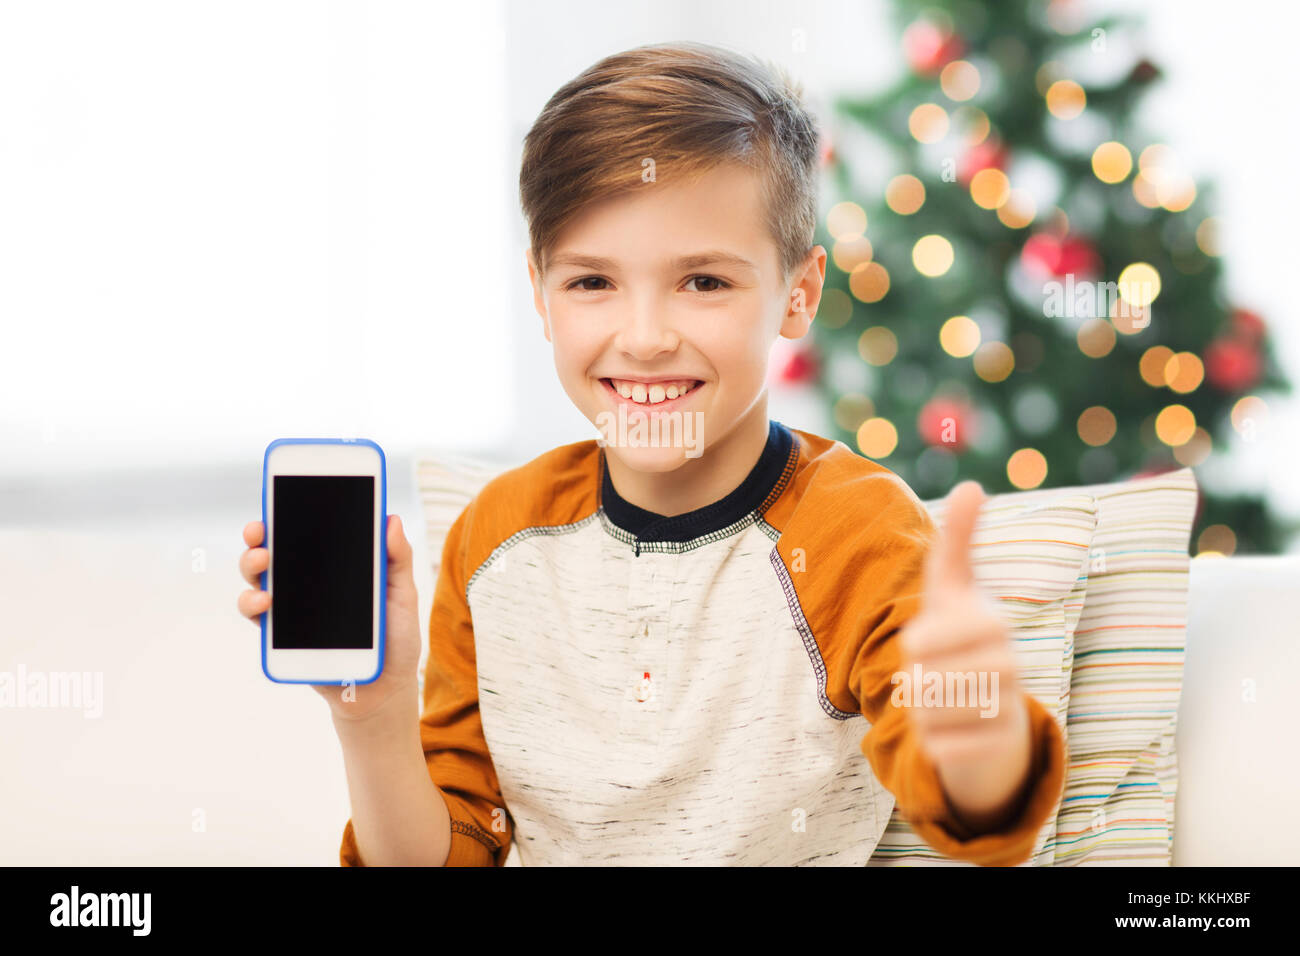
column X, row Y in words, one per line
column 401, row 578
column 948, row 565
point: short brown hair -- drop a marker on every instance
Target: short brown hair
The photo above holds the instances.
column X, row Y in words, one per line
column 687, row 106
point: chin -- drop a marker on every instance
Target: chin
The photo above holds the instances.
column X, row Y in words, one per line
column 654, row 460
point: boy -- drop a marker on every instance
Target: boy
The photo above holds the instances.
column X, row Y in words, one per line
column 663, row 652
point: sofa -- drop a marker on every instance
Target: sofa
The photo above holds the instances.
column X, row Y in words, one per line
column 1239, row 774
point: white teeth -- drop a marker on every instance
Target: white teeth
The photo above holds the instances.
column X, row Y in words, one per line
column 644, row 394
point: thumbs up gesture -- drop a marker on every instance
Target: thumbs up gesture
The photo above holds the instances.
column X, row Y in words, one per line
column 979, row 745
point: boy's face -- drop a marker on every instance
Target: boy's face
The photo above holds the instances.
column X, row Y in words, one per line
column 661, row 307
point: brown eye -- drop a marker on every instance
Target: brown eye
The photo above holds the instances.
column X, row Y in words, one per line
column 719, row 284
column 578, row 282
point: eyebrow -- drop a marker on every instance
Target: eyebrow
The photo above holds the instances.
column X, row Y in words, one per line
column 694, row 261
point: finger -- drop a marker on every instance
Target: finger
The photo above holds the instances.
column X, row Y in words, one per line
column 399, row 549
column 925, row 647
column 252, row 604
column 956, row 628
column 948, row 564
column 253, row 534
column 252, row 563
column 973, row 717
column 977, row 697
column 401, row 580
column 983, row 663
column 1006, row 716
column 966, row 748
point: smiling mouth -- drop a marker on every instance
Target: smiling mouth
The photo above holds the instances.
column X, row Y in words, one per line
column 667, row 404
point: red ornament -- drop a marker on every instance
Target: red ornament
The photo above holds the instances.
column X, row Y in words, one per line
column 800, row 367
column 1247, row 326
column 1078, row 256
column 929, row 48
column 989, row 154
column 1232, row 365
column 1044, row 254
column 1144, row 71
column 826, row 154
column 946, row 423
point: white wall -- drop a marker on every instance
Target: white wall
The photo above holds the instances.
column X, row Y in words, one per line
column 229, row 222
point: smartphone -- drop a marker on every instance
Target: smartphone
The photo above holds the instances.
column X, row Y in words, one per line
column 324, row 503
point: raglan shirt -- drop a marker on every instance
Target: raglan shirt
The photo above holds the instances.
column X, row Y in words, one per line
column 606, row 685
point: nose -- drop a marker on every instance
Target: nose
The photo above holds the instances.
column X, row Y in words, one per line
column 647, row 330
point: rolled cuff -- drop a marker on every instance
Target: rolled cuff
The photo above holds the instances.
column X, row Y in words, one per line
column 471, row 845
column 935, row 821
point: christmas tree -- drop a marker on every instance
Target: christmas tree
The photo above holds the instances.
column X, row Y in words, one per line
column 1025, row 289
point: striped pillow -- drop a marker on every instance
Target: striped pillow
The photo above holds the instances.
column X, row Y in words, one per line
column 1121, row 774
column 447, row 484
column 1032, row 558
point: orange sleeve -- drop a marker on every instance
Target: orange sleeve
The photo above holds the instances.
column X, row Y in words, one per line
column 451, row 730
column 876, row 534
column 890, row 595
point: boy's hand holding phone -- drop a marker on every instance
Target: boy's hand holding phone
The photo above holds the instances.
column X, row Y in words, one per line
column 402, row 654
column 983, row 761
column 333, row 593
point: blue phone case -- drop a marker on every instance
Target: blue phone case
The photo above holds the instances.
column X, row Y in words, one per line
column 383, row 550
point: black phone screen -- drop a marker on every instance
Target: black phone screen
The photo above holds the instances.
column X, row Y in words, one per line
column 323, row 561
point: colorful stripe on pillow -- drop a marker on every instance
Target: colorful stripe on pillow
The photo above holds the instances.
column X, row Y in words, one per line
column 1122, row 776
column 1032, row 558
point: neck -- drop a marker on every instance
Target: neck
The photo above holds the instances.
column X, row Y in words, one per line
column 699, row 481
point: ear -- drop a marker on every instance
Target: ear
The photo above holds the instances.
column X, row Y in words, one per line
column 805, row 294
column 539, row 300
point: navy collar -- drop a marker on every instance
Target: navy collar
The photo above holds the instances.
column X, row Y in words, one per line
column 751, row 494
